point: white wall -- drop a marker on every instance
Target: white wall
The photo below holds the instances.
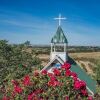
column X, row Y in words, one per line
column 62, row 55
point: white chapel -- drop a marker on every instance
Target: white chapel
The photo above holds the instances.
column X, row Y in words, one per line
column 59, row 46
column 59, row 55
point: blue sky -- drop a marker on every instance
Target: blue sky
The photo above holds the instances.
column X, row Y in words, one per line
column 32, row 20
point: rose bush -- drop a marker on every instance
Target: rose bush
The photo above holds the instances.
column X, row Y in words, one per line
column 62, row 84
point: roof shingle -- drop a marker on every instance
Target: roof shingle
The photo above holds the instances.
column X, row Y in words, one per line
column 59, row 37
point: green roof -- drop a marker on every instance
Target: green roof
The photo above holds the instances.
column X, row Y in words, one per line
column 59, row 37
column 91, row 84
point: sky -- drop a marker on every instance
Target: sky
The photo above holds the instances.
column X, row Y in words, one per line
column 33, row 20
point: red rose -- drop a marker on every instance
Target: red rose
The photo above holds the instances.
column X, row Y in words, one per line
column 5, row 98
column 84, row 92
column 75, row 78
column 66, row 98
column 52, row 78
column 50, row 74
column 57, row 83
column 73, row 74
column 44, row 72
column 26, row 80
column 54, row 83
column 30, row 96
column 83, row 85
column 68, row 73
column 79, row 85
column 56, row 72
column 50, row 83
column 17, row 89
column 66, row 66
column 41, row 98
column 90, row 98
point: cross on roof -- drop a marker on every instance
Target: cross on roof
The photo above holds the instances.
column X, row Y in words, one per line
column 60, row 18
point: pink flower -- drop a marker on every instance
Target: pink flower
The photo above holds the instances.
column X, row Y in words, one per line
column 66, row 66
column 26, row 80
column 79, row 85
column 44, row 72
column 54, row 83
column 57, row 83
column 30, row 96
column 83, row 84
column 73, row 74
column 17, row 89
column 50, row 74
column 56, row 72
column 50, row 83
column 41, row 98
column 5, row 98
column 52, row 78
column 84, row 92
column 66, row 98
column 68, row 73
column 90, row 98
column 75, row 78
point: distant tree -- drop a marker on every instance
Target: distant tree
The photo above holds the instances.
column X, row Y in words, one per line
column 27, row 43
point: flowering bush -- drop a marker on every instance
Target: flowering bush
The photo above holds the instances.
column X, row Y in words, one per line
column 62, row 84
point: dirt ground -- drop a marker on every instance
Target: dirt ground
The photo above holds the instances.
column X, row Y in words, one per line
column 95, row 55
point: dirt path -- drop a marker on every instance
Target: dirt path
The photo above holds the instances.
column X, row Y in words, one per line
column 95, row 55
column 85, row 66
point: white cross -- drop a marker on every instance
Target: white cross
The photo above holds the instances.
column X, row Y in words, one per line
column 60, row 18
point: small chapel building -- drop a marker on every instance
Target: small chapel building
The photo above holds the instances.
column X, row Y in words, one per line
column 59, row 55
